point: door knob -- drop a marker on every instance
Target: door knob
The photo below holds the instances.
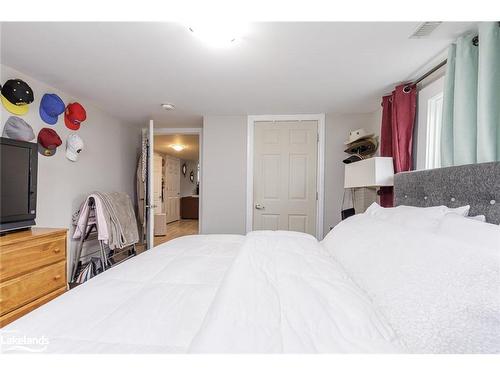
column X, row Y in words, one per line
column 259, row 206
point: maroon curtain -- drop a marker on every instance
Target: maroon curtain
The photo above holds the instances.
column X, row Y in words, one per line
column 398, row 118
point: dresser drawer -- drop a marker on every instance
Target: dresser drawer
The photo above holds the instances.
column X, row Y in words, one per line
column 23, row 310
column 23, row 257
column 26, row 288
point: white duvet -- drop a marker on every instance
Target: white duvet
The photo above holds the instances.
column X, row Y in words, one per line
column 285, row 294
column 439, row 294
column 152, row 303
column 369, row 287
column 267, row 292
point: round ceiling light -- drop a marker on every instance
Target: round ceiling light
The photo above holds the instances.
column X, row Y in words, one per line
column 168, row 106
column 219, row 34
column 178, row 147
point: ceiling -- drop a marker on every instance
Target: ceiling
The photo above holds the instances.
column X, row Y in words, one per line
column 191, row 152
column 129, row 69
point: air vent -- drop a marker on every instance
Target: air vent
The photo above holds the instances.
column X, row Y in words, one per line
column 424, row 30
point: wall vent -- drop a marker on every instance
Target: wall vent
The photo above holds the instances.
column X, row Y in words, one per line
column 424, row 30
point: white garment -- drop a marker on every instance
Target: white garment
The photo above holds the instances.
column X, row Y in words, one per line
column 102, row 227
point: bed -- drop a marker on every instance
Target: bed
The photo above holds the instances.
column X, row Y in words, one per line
column 404, row 280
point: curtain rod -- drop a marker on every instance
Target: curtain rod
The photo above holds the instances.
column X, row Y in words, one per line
column 475, row 41
column 425, row 75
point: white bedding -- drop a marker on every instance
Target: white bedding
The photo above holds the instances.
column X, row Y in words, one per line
column 153, row 303
column 282, row 294
column 439, row 294
column 285, row 294
column 371, row 286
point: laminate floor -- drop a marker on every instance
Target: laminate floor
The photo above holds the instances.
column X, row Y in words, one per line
column 178, row 229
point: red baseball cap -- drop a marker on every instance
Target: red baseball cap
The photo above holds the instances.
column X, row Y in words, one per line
column 74, row 115
column 48, row 142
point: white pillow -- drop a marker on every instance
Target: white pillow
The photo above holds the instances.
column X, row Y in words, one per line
column 480, row 218
column 424, row 218
column 440, row 295
column 471, row 232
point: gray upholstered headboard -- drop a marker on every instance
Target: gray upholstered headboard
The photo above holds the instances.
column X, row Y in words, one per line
column 476, row 184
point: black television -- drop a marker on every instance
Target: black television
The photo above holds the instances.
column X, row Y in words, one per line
column 18, row 178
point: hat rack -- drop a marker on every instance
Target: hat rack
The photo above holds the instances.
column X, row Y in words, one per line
column 108, row 257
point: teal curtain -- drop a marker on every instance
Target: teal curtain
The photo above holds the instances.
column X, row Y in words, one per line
column 471, row 100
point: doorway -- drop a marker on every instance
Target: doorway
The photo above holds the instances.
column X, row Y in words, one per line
column 176, row 183
column 285, row 173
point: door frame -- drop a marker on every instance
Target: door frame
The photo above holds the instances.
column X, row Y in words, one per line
column 320, row 175
column 189, row 131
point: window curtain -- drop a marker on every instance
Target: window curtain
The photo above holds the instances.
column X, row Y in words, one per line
column 471, row 100
column 396, row 133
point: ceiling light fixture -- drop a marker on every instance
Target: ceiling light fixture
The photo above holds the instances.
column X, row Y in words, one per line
column 178, row 147
column 219, row 34
column 168, row 106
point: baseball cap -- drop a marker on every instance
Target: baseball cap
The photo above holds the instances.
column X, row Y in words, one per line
column 352, row 159
column 74, row 145
column 16, row 128
column 51, row 106
column 48, row 142
column 74, row 115
column 16, row 96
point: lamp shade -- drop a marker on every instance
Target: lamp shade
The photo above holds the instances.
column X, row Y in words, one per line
column 377, row 171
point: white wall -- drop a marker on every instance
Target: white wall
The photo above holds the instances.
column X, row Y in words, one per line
column 107, row 163
column 223, row 185
column 187, row 187
column 224, row 168
column 337, row 131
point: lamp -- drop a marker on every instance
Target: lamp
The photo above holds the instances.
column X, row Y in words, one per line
column 372, row 172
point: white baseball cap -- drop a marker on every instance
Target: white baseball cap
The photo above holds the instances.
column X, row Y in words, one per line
column 355, row 135
column 74, row 145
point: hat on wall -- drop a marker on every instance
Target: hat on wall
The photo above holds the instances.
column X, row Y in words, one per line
column 16, row 96
column 48, row 142
column 352, row 159
column 365, row 147
column 51, row 106
column 355, row 135
column 74, row 115
column 74, row 145
column 16, row 128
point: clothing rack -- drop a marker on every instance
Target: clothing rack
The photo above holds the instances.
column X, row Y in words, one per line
column 107, row 256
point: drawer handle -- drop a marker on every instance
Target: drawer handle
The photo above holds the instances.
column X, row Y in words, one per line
column 57, row 277
column 57, row 250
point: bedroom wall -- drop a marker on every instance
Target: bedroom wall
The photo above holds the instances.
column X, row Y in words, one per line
column 187, row 187
column 337, row 131
column 223, row 185
column 107, row 163
column 224, row 178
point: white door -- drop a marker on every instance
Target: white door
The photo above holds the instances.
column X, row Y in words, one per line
column 157, row 185
column 173, row 187
column 285, row 174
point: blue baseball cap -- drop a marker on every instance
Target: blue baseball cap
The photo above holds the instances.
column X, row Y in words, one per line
column 51, row 106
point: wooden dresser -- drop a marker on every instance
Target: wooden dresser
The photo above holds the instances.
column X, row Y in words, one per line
column 32, row 270
column 189, row 208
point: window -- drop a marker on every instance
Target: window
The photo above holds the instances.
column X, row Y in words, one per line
column 433, row 142
column 428, row 133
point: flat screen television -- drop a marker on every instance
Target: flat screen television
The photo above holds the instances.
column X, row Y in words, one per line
column 18, row 175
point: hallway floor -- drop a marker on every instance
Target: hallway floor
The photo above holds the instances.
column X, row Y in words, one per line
column 178, row 229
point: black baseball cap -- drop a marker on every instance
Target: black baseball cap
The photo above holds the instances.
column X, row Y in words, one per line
column 352, row 159
column 15, row 94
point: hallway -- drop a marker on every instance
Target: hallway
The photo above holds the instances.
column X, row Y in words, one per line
column 177, row 229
